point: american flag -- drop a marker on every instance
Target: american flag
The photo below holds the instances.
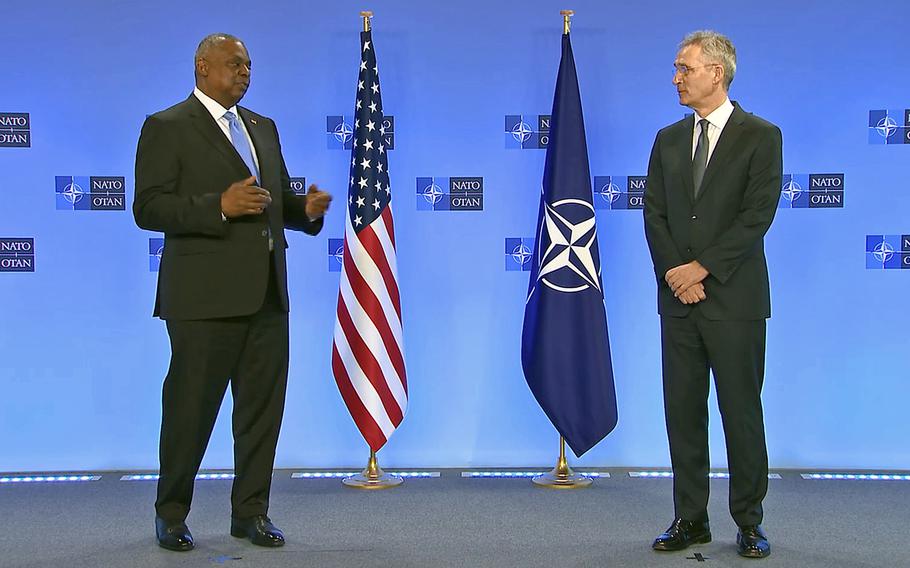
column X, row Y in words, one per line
column 367, row 354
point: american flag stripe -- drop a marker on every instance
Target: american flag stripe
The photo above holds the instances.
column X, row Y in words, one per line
column 390, row 231
column 378, row 266
column 389, row 272
column 362, row 402
column 367, row 353
column 361, row 271
column 374, row 331
column 368, row 364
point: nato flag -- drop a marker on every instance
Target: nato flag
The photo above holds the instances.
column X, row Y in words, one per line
column 565, row 347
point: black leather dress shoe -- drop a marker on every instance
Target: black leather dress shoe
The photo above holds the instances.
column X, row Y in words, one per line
column 752, row 542
column 681, row 534
column 258, row 529
column 173, row 535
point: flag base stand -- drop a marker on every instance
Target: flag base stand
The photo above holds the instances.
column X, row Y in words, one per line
column 562, row 476
column 372, row 477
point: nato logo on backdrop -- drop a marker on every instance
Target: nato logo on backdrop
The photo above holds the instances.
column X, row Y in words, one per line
column 518, row 254
column 450, row 194
column 619, row 192
column 811, row 191
column 527, row 131
column 17, row 254
column 156, row 249
column 889, row 126
column 298, row 185
column 339, row 131
column 15, row 130
column 887, row 252
column 90, row 193
column 336, row 254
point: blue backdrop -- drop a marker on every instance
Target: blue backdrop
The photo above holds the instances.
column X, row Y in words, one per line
column 82, row 360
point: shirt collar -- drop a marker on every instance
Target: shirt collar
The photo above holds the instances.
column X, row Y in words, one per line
column 718, row 116
column 214, row 107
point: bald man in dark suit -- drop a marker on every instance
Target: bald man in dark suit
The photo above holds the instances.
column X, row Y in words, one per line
column 210, row 175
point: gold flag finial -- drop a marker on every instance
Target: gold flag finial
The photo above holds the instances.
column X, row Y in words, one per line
column 566, row 14
column 366, row 15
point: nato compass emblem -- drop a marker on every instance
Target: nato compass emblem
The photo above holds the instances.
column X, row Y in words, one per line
column 811, row 191
column 71, row 194
column 527, row 132
column 568, row 259
column 890, row 126
column 156, row 249
column 431, row 196
column 518, row 254
column 336, row 254
column 619, row 192
column 339, row 133
column 888, row 252
column 791, row 191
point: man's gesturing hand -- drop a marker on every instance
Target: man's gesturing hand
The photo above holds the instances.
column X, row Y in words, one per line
column 244, row 198
column 317, row 202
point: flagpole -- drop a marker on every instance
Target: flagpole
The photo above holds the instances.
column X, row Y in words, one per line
column 372, row 477
column 562, row 476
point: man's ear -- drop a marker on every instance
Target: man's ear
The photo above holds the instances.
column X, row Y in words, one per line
column 719, row 73
column 202, row 67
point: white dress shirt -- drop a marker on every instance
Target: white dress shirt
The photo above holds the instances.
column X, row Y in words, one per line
column 716, row 122
column 217, row 111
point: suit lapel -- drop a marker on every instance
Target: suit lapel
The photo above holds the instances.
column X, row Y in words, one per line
column 203, row 122
column 260, row 136
column 728, row 138
column 259, row 139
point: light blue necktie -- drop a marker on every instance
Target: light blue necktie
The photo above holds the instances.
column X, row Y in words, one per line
column 241, row 144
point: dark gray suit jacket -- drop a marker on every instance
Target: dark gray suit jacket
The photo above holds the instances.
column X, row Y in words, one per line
column 723, row 228
column 212, row 268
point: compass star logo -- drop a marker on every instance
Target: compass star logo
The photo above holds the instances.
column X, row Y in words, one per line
column 791, row 191
column 521, row 254
column 883, row 252
column 610, row 192
column 343, row 132
column 521, row 132
column 568, row 247
column 73, row 192
column 432, row 193
column 886, row 127
column 336, row 254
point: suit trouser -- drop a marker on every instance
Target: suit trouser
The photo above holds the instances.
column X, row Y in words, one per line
column 734, row 350
column 250, row 352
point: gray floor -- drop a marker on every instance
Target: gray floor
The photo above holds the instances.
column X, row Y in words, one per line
column 452, row 521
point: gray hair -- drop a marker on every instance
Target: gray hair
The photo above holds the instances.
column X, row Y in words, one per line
column 716, row 48
column 211, row 41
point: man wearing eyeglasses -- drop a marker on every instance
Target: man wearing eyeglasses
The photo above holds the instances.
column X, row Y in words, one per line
column 714, row 182
column 210, row 175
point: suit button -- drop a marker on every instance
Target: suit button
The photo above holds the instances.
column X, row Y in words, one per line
column 694, row 217
column 264, row 233
column 688, row 249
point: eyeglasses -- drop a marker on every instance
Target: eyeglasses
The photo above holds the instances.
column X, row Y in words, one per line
column 685, row 69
